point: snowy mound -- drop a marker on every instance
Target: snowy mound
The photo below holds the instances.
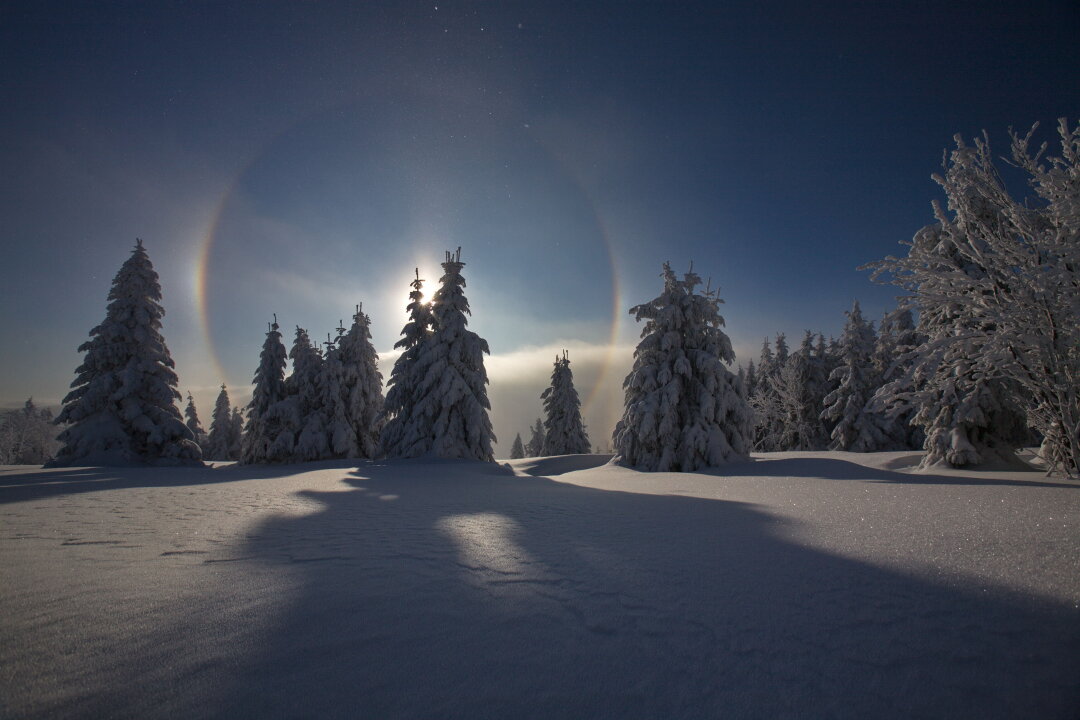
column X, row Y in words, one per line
column 558, row 464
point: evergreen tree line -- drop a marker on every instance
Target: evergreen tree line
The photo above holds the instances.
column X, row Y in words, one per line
column 992, row 362
column 332, row 405
column 27, row 435
column 825, row 395
column 122, row 408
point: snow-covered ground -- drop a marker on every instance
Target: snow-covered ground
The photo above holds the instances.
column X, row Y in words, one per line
column 794, row 585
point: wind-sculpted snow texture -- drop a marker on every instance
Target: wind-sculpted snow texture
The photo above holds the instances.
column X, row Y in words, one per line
column 795, row 585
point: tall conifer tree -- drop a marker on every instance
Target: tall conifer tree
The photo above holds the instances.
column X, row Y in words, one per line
column 218, row 442
column 263, row 428
column 684, row 409
column 191, row 416
column 357, row 390
column 404, row 432
column 517, row 450
column 564, row 432
column 535, row 446
column 454, row 389
column 122, row 408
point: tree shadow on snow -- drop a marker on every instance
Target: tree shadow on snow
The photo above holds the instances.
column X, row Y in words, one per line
column 434, row 591
column 560, row 464
column 22, row 484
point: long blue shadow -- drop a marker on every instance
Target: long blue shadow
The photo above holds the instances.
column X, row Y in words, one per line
column 529, row 598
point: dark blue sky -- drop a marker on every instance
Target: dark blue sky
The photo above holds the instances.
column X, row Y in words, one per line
column 317, row 151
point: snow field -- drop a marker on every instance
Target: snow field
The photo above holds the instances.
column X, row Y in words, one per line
column 810, row 584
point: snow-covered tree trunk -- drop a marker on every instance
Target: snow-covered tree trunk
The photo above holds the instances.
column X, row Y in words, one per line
column 122, row 408
column 564, row 432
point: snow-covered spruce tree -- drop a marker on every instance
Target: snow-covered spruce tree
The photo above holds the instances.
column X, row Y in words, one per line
column 684, row 409
column 357, row 389
column 857, row 428
column 564, row 433
column 765, row 400
column 27, row 435
column 1000, row 277
column 800, row 400
column 340, row 438
column 236, row 434
column 827, row 358
column 305, row 388
column 895, row 353
column 122, row 408
column 191, row 419
column 535, row 446
column 517, row 450
column 750, row 379
column 454, row 388
column 406, row 433
column 264, row 429
column 218, row 441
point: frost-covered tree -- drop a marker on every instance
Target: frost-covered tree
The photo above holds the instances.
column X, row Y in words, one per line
column 857, row 427
column 310, row 403
column 896, row 351
column 564, row 432
column 684, row 409
column 765, row 400
column 122, row 408
column 405, row 432
column 454, row 389
column 236, row 434
column 750, row 379
column 535, row 446
column 27, row 435
column 967, row 415
column 517, row 450
column 265, row 434
column 355, row 387
column 219, row 441
column 800, row 395
column 997, row 280
column 191, row 419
